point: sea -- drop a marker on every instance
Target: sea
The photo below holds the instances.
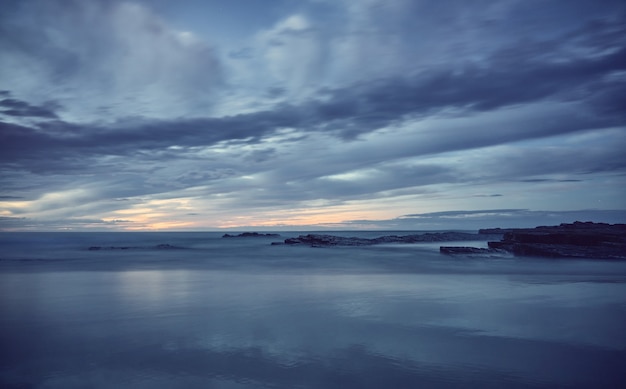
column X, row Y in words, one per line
column 235, row 313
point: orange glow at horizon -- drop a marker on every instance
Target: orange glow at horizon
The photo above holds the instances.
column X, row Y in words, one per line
column 303, row 217
column 189, row 213
column 146, row 219
column 194, row 213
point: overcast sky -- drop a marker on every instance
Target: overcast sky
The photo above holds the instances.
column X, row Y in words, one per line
column 377, row 114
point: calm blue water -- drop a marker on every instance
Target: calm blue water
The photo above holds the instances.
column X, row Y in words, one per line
column 240, row 313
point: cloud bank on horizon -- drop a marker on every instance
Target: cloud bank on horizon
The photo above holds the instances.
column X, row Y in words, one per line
column 400, row 114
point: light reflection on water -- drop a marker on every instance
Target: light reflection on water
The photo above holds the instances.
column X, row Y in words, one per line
column 325, row 323
column 175, row 328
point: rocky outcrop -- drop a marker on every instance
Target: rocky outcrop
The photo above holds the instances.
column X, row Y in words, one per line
column 251, row 235
column 320, row 240
column 575, row 240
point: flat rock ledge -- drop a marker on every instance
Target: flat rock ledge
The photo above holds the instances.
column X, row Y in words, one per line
column 320, row 240
column 574, row 240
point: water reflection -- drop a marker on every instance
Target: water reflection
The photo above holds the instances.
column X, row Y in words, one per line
column 238, row 329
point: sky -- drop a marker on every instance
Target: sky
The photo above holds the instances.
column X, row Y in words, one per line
column 311, row 114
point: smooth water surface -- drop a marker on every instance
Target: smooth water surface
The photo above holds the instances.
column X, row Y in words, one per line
column 240, row 313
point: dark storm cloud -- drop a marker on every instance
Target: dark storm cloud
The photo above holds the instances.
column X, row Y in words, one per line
column 359, row 109
column 27, row 145
column 59, row 145
column 19, row 144
column 14, row 107
column 524, row 72
column 368, row 106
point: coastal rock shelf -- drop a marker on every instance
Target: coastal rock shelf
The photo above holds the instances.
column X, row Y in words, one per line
column 320, row 240
column 575, row 240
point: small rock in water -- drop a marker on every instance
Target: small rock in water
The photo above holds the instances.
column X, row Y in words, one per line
column 250, row 235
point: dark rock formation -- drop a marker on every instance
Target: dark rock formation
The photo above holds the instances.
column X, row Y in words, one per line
column 251, row 235
column 319, row 240
column 576, row 240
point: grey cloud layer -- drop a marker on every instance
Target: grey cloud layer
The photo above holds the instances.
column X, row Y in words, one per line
column 349, row 112
column 110, row 98
column 111, row 57
column 13, row 107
